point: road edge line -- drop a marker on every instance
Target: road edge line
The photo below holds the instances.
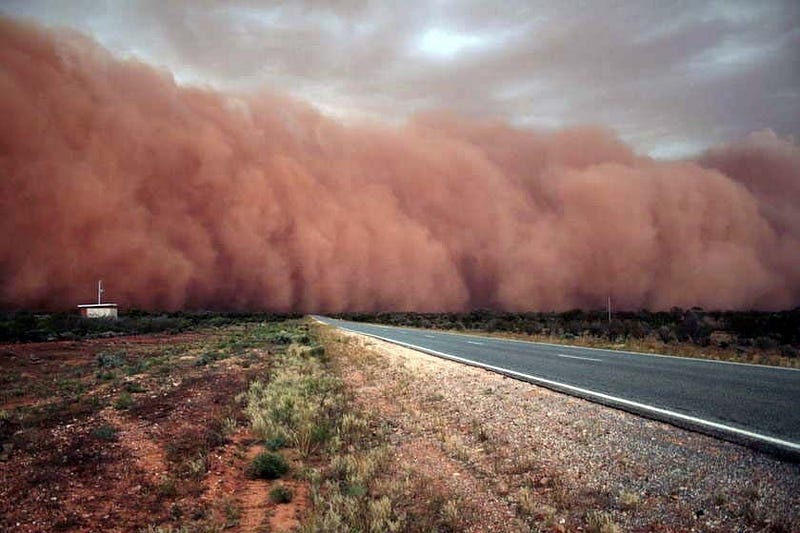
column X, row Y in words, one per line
column 783, row 449
column 577, row 347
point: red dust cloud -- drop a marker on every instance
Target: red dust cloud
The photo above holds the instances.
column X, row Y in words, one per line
column 180, row 197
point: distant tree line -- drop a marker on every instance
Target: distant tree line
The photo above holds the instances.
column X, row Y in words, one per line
column 24, row 326
column 762, row 330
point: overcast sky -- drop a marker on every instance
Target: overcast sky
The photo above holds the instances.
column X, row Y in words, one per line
column 672, row 77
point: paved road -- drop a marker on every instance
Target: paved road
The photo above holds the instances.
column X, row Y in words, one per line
column 754, row 405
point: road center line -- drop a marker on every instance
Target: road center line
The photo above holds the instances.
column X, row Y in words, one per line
column 576, row 357
column 429, row 336
column 473, row 342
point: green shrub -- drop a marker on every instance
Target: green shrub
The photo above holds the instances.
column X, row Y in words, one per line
column 105, row 375
column 789, row 351
column 123, row 401
column 356, row 490
column 105, row 432
column 282, row 337
column 167, row 488
column 134, row 387
column 232, row 512
column 301, row 338
column 164, row 529
column 766, row 343
column 110, row 360
column 275, row 443
column 196, row 467
column 281, row 494
column 316, row 351
column 208, row 357
column 268, row 465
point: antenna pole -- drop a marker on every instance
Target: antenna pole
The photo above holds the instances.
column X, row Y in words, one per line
column 99, row 291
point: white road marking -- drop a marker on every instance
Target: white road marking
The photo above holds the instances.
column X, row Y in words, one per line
column 576, row 357
column 708, row 424
column 473, row 342
column 429, row 336
column 611, row 351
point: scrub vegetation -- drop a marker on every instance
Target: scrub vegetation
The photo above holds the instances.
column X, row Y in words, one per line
column 25, row 326
column 138, row 432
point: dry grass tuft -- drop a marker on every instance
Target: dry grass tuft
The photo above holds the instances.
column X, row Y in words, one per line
column 629, row 500
column 601, row 522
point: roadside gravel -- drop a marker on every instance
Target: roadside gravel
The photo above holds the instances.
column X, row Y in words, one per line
column 518, row 457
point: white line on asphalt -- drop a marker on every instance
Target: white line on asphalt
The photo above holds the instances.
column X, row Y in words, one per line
column 473, row 342
column 429, row 336
column 576, row 357
column 794, row 446
column 610, row 351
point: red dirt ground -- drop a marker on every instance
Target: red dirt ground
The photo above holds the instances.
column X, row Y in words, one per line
column 123, row 433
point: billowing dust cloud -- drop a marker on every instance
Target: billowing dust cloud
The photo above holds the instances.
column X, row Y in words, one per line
column 180, row 197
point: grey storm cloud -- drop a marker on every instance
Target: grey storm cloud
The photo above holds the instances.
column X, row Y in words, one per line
column 672, row 78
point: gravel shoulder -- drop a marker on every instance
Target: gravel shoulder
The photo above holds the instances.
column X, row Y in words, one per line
column 516, row 457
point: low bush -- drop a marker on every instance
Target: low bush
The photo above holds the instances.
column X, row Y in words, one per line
column 281, row 337
column 281, row 494
column 167, row 488
column 275, row 443
column 789, row 351
column 765, row 343
column 105, row 432
column 110, row 360
column 268, row 465
column 134, row 387
column 123, row 401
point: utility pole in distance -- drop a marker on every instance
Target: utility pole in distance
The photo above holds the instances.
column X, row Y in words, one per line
column 609, row 308
column 99, row 291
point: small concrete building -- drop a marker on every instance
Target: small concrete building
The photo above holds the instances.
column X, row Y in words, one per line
column 98, row 310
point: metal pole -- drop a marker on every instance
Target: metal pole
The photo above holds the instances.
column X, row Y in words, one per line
column 609, row 309
column 99, row 290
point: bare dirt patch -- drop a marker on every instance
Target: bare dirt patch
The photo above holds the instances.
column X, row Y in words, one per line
column 287, row 516
column 255, row 497
column 517, row 457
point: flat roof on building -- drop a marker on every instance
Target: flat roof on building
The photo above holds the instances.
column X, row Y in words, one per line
column 97, row 305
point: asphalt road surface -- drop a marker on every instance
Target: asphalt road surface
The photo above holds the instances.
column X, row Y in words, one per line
column 750, row 404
